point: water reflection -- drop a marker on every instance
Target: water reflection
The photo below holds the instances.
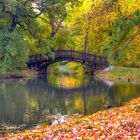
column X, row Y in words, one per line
column 30, row 101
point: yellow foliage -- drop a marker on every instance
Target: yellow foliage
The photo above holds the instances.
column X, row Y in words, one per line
column 69, row 82
column 129, row 6
column 103, row 14
column 78, row 103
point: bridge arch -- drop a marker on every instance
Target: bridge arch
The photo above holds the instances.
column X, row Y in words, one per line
column 40, row 61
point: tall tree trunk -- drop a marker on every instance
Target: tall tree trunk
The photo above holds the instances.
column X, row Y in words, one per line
column 87, row 34
column 90, row 14
column 13, row 23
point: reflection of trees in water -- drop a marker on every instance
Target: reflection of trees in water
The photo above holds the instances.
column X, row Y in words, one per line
column 121, row 93
column 88, row 98
column 70, row 100
column 41, row 84
column 30, row 101
column 12, row 103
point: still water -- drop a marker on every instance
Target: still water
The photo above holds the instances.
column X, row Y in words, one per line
column 29, row 101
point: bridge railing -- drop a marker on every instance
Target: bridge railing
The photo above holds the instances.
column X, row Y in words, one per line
column 80, row 55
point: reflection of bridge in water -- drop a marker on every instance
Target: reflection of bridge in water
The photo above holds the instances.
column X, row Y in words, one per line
column 42, row 84
column 94, row 87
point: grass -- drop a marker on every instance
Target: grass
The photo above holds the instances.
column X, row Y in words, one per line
column 120, row 73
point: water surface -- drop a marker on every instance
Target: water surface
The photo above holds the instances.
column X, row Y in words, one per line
column 29, row 101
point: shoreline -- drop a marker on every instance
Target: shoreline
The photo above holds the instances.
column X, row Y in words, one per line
column 125, row 74
column 21, row 74
column 116, row 74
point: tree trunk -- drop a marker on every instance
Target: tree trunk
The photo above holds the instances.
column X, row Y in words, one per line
column 86, row 40
column 87, row 34
column 13, row 23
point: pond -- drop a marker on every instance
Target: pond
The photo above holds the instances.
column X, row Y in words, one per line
column 30, row 101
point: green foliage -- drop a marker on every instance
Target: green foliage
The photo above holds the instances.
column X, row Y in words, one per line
column 13, row 51
column 31, row 27
column 63, row 40
column 122, row 30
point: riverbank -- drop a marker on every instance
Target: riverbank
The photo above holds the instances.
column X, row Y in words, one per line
column 116, row 123
column 26, row 73
column 120, row 73
column 114, row 74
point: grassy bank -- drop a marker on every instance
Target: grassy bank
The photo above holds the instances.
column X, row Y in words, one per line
column 116, row 73
column 121, row 123
column 120, row 73
column 19, row 74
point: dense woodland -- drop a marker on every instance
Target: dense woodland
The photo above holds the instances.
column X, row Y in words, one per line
column 109, row 28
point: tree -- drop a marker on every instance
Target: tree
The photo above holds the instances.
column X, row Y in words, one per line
column 124, row 31
column 96, row 27
column 22, row 22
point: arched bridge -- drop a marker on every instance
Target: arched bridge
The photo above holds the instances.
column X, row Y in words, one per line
column 40, row 62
